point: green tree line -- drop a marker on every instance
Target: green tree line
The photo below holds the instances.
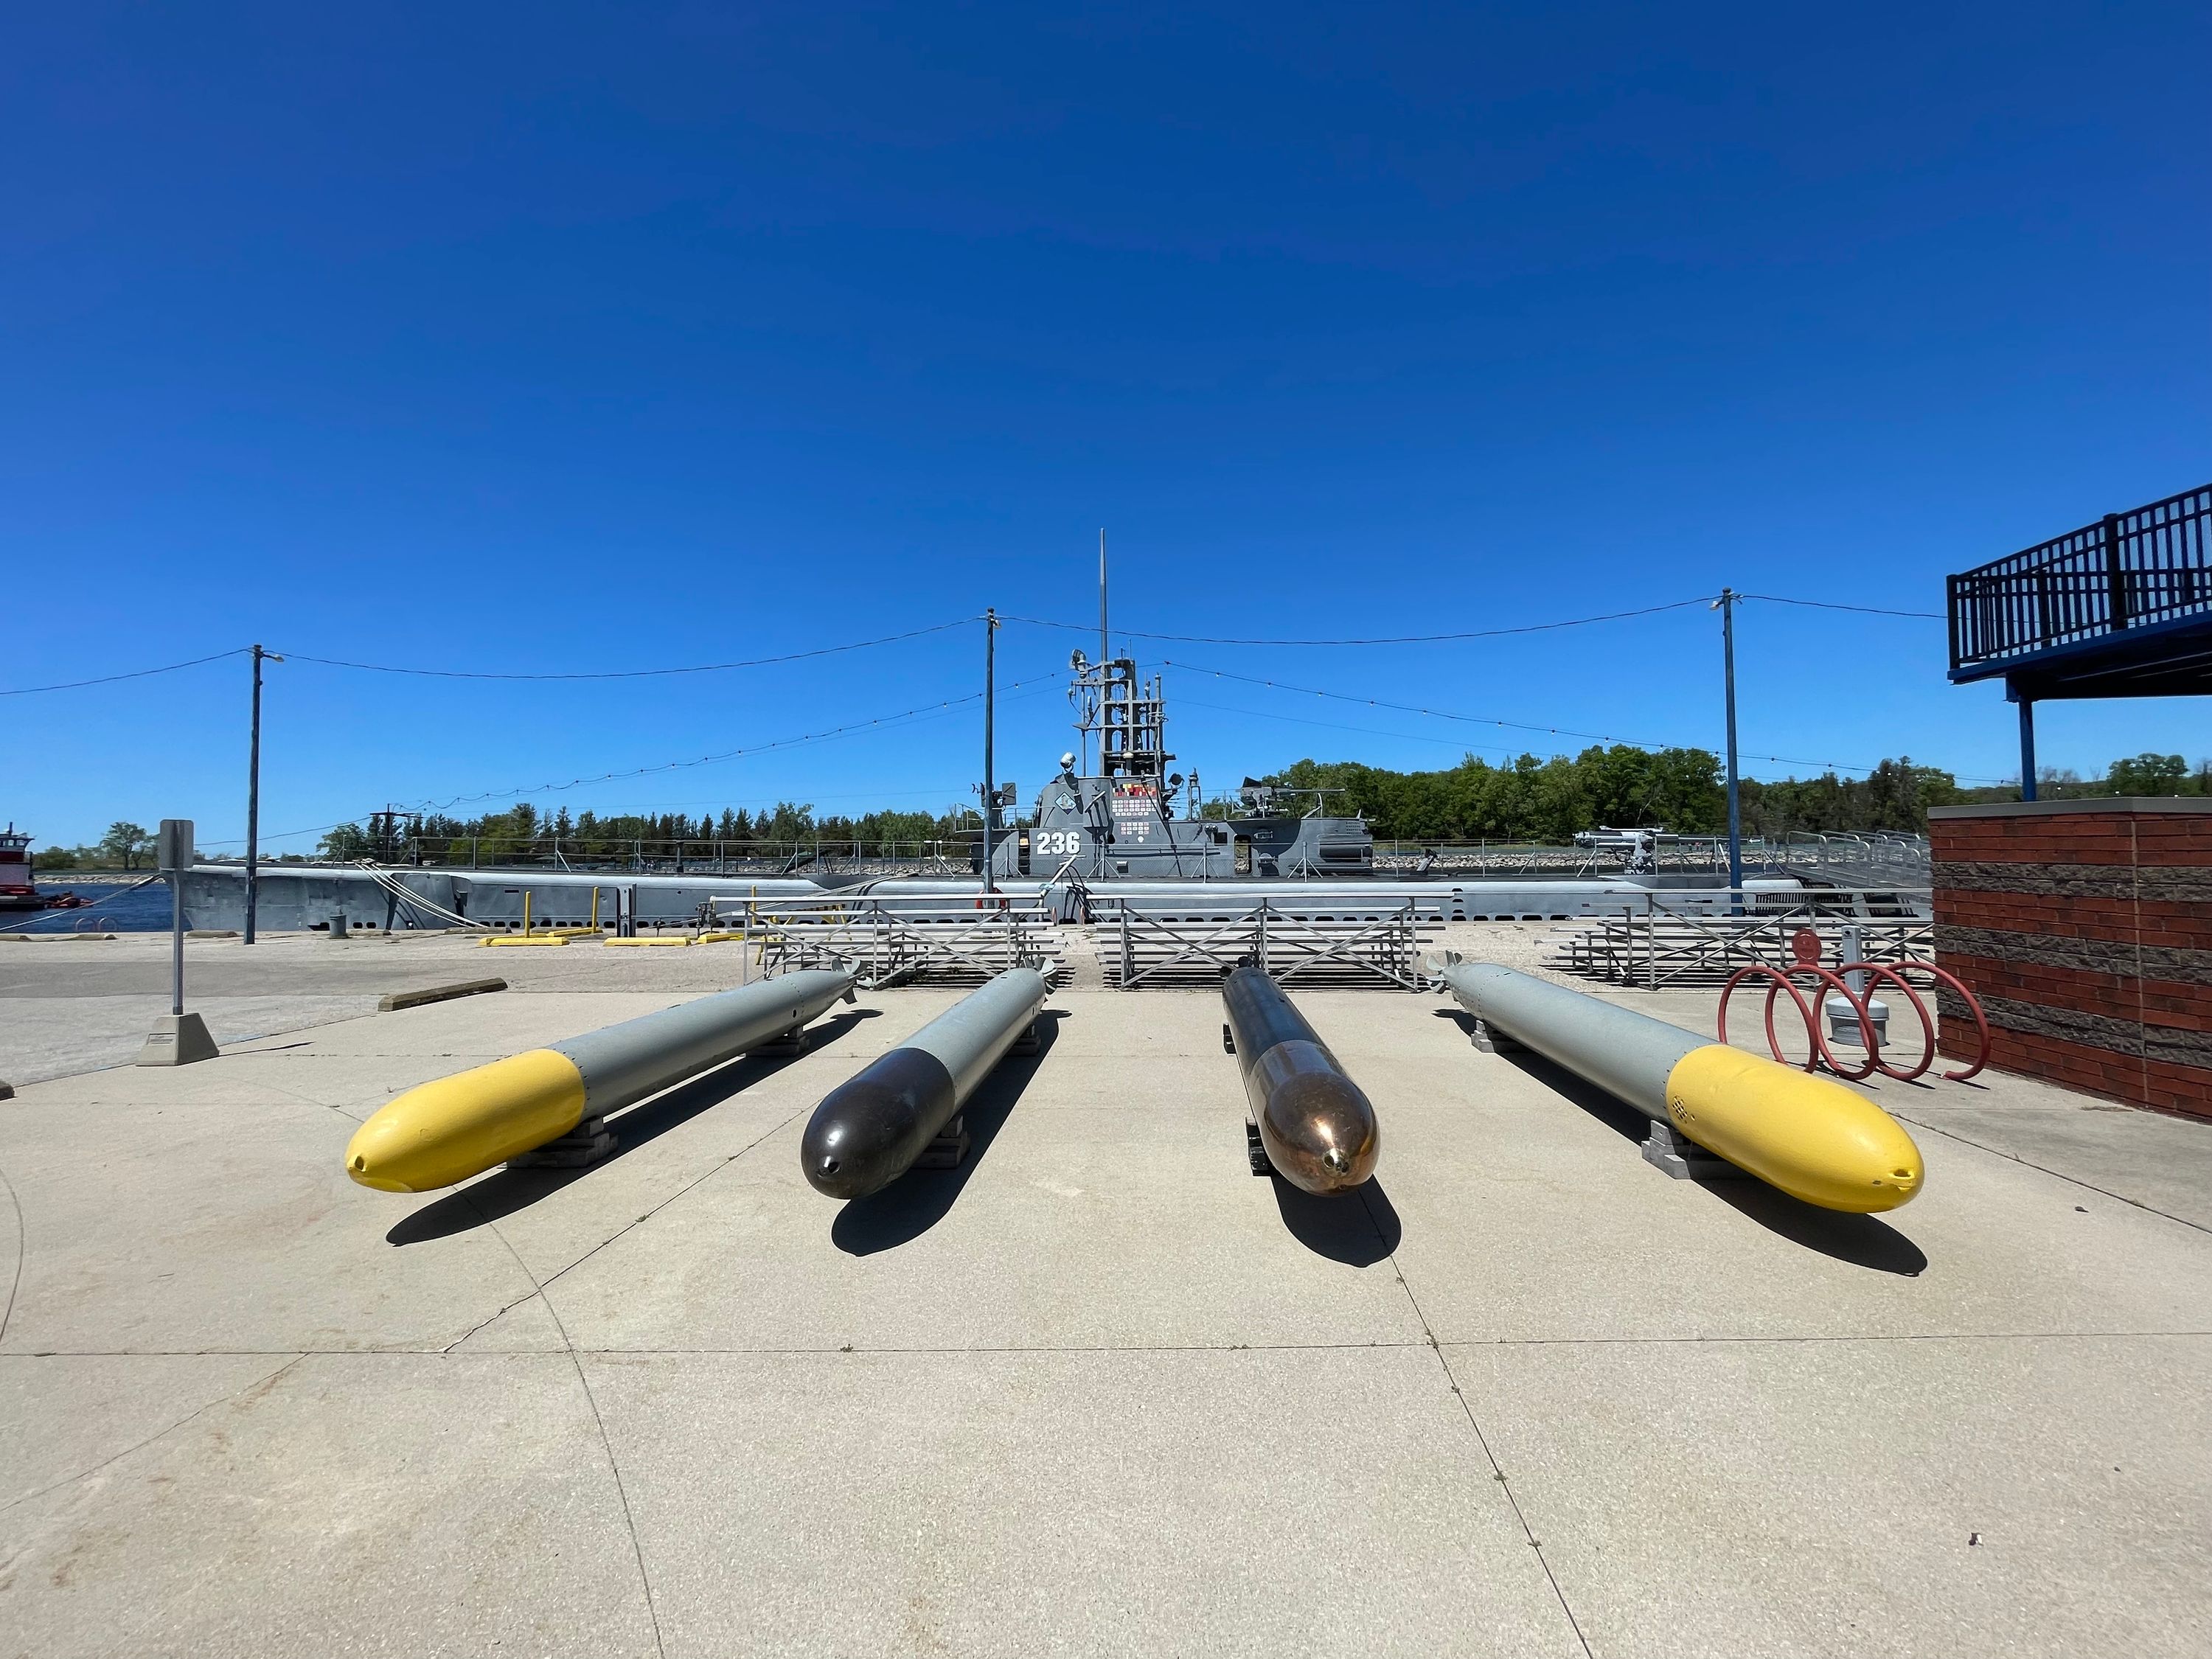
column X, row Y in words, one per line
column 522, row 829
column 1526, row 799
column 1530, row 799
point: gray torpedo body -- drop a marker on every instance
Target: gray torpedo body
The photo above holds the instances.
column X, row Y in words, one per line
column 868, row 1131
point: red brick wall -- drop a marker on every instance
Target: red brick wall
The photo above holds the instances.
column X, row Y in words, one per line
column 2086, row 935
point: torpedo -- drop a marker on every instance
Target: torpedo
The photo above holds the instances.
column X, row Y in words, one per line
column 1316, row 1126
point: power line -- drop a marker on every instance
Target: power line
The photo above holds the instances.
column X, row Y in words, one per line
column 280, row 835
column 1402, row 639
column 1481, row 719
column 1336, row 725
column 923, row 712
column 635, row 673
column 134, row 674
column 1410, row 709
column 476, row 674
column 1863, row 610
column 1485, row 633
column 962, row 622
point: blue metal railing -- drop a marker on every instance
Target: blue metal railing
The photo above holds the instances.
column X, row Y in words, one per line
column 2127, row 570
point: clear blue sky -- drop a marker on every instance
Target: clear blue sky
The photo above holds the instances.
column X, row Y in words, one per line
column 548, row 338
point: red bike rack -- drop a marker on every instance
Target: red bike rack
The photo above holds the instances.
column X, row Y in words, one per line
column 1806, row 953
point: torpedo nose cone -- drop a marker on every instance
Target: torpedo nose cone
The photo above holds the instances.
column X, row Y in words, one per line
column 1319, row 1130
column 834, row 1153
column 460, row 1125
column 380, row 1156
column 1808, row 1135
column 870, row 1128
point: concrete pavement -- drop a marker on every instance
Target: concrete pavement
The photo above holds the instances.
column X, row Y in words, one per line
column 1100, row 1390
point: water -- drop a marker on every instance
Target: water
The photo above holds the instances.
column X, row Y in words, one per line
column 144, row 911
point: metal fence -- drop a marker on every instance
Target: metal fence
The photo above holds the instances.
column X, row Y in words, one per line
column 1657, row 946
column 1879, row 854
column 1872, row 853
column 2127, row 570
column 817, row 855
column 936, row 944
column 1703, row 853
column 1291, row 944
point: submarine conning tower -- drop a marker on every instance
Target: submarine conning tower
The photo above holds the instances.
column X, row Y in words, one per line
column 1109, row 814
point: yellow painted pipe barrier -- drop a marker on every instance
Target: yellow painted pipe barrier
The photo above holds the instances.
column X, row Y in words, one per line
column 449, row 1130
column 1808, row 1135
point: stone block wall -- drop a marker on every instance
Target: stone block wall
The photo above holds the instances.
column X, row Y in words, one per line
column 2085, row 929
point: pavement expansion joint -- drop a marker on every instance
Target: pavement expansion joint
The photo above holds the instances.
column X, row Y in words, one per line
column 493, row 1318
column 259, row 1383
column 2061, row 1175
column 1497, row 1471
column 591, row 1401
column 309, row 1100
column 15, row 1278
column 1018, row 1349
column 554, row 1277
column 622, row 1490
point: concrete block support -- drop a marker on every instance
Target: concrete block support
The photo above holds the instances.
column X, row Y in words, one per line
column 582, row 1147
column 1677, row 1155
column 177, row 1040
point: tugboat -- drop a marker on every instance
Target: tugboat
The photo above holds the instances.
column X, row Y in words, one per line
column 17, row 891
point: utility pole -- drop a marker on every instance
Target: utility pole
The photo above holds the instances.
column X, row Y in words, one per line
column 990, row 784
column 1726, row 606
column 254, row 801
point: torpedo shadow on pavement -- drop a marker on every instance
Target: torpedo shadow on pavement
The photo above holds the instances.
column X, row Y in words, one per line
column 1864, row 1241
column 499, row 1195
column 1358, row 1227
column 919, row 1199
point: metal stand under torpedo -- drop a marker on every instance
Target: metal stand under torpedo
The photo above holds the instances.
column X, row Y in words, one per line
column 555, row 1100
column 902, row 1111
column 1810, row 1136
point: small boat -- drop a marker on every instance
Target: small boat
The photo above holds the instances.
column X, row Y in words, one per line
column 17, row 891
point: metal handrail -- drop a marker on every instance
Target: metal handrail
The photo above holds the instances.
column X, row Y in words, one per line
column 1651, row 945
column 2127, row 570
column 1284, row 943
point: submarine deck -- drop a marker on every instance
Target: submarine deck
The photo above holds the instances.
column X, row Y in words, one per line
column 1099, row 1390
